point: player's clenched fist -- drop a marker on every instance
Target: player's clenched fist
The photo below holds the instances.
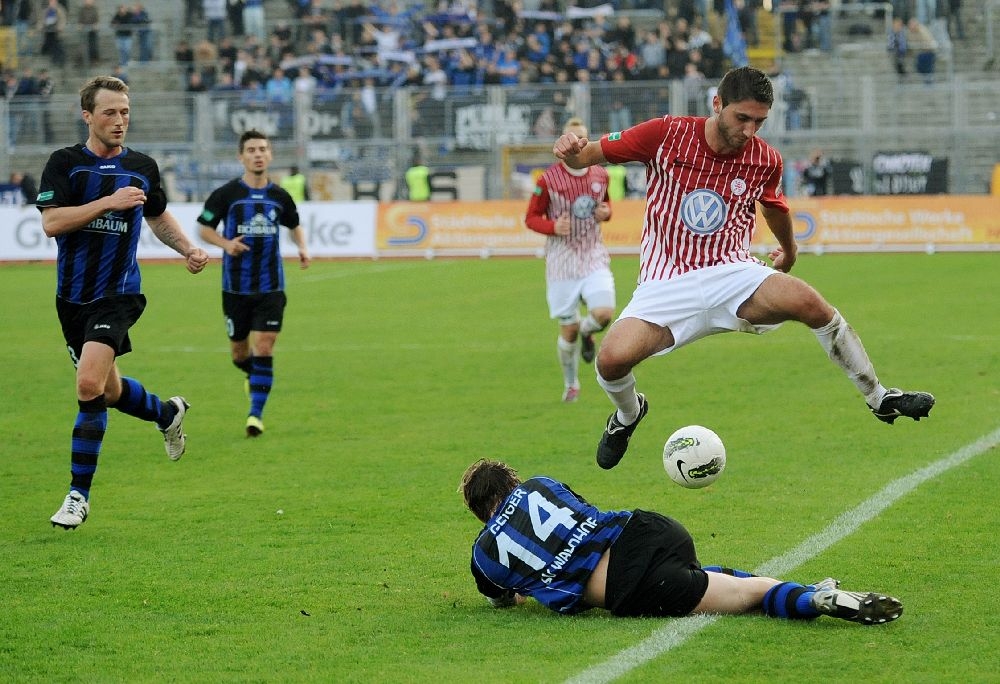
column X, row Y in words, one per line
column 568, row 144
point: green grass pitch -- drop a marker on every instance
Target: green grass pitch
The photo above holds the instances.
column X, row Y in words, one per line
column 335, row 547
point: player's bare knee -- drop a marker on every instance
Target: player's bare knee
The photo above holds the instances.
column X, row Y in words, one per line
column 610, row 366
column 88, row 387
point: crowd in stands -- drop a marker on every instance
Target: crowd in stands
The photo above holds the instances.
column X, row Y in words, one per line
column 362, row 47
column 388, row 45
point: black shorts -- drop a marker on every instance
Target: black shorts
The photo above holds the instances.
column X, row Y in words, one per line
column 653, row 570
column 261, row 312
column 106, row 320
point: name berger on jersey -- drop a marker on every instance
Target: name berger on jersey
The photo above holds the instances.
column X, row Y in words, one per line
column 561, row 558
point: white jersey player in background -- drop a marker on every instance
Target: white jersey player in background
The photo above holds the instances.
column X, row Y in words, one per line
column 697, row 276
column 568, row 205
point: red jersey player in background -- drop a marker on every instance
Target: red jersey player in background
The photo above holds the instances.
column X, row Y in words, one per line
column 697, row 276
column 568, row 205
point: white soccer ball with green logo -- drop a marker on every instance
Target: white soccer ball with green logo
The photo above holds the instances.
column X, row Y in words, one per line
column 694, row 457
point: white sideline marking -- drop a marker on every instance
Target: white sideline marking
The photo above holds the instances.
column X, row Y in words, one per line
column 676, row 632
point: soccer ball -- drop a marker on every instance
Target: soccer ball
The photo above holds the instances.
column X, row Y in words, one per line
column 694, row 457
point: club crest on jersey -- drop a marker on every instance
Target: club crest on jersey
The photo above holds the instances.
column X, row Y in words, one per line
column 703, row 211
column 583, row 206
column 738, row 186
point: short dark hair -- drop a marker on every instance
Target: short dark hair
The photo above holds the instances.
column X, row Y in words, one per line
column 485, row 484
column 88, row 93
column 746, row 83
column 251, row 134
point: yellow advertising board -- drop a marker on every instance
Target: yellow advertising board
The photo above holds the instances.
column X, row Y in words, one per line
column 895, row 221
column 864, row 223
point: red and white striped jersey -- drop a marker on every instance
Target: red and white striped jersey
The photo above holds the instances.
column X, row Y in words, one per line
column 558, row 192
column 700, row 206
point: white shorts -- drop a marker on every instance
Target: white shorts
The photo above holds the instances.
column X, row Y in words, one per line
column 701, row 302
column 596, row 290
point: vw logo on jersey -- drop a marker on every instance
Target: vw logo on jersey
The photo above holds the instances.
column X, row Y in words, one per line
column 703, row 211
column 583, row 206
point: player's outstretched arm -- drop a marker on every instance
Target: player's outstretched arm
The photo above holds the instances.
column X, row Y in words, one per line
column 299, row 238
column 780, row 224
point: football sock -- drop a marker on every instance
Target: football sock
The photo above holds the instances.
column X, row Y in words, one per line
column 569, row 360
column 136, row 401
column 88, row 435
column 261, row 380
column 727, row 571
column 589, row 325
column 623, row 396
column 844, row 348
column 246, row 365
column 789, row 600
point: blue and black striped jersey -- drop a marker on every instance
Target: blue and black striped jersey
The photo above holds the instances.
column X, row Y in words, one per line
column 544, row 541
column 257, row 215
column 99, row 259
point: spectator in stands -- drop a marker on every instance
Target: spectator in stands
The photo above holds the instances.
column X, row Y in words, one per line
column 746, row 12
column 652, row 55
column 939, row 26
column 305, row 82
column 694, row 89
column 122, row 75
column 698, row 37
column 144, row 31
column 23, row 12
column 194, row 13
column 184, row 56
column 369, row 105
column 89, row 19
column 507, row 67
column 227, row 50
column 215, row 19
column 44, row 87
column 52, row 23
column 121, row 22
column 816, row 175
column 822, row 27
column 384, row 39
column 27, row 185
column 254, row 21
column 924, row 11
column 533, row 52
column 310, row 15
column 280, row 92
column 296, row 185
column 234, row 14
column 924, row 48
column 713, row 60
column 620, row 116
column 955, row 28
column 622, row 33
column 464, row 75
column 898, row 46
